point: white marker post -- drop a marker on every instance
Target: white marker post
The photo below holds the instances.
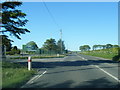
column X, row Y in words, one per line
column 29, row 63
column 58, row 55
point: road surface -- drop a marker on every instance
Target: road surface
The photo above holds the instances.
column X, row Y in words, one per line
column 74, row 71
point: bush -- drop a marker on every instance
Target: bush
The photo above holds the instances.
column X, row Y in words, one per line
column 13, row 52
column 116, row 58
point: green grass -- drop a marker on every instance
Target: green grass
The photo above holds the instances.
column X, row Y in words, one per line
column 104, row 53
column 39, row 57
column 15, row 75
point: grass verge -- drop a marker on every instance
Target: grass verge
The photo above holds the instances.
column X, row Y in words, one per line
column 39, row 57
column 104, row 53
column 14, row 75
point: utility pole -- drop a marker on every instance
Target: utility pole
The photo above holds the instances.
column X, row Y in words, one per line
column 61, row 39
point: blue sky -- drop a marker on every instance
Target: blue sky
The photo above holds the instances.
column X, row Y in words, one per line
column 81, row 23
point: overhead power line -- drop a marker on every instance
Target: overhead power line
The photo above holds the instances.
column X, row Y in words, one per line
column 52, row 17
column 50, row 14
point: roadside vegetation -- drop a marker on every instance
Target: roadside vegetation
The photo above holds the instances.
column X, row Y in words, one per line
column 15, row 75
column 13, row 24
column 107, row 51
column 39, row 57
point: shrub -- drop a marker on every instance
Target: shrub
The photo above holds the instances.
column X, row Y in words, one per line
column 13, row 52
column 116, row 58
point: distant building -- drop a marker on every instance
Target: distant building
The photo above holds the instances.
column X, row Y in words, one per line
column 30, row 46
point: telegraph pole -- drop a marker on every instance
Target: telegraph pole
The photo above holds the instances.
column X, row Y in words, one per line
column 61, row 39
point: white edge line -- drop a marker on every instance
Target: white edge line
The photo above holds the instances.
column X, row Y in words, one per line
column 42, row 74
column 36, row 77
column 104, row 71
column 107, row 73
column 32, row 79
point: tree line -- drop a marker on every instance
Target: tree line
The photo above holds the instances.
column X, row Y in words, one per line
column 52, row 45
column 12, row 21
column 96, row 47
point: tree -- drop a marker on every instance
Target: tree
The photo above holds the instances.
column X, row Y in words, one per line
column 50, row 44
column 99, row 47
column 94, row 47
column 109, row 45
column 85, row 48
column 116, row 46
column 104, row 46
column 60, row 48
column 7, row 42
column 14, row 50
column 82, row 48
column 12, row 19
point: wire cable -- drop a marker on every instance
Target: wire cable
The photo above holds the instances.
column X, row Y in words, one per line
column 50, row 14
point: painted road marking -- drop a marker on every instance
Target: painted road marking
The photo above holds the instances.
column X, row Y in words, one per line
column 82, row 58
column 105, row 71
column 41, row 74
column 35, row 78
column 99, row 58
column 105, row 59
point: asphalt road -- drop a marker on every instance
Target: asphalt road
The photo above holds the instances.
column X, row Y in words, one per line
column 74, row 71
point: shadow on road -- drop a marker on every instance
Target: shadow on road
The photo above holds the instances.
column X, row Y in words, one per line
column 95, row 83
column 67, row 63
column 98, row 83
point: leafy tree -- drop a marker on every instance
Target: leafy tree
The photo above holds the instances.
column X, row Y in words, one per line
column 104, row 46
column 7, row 42
column 60, row 48
column 99, row 47
column 82, row 48
column 109, row 45
column 116, row 46
column 50, row 44
column 94, row 47
column 85, row 48
column 13, row 20
column 14, row 50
